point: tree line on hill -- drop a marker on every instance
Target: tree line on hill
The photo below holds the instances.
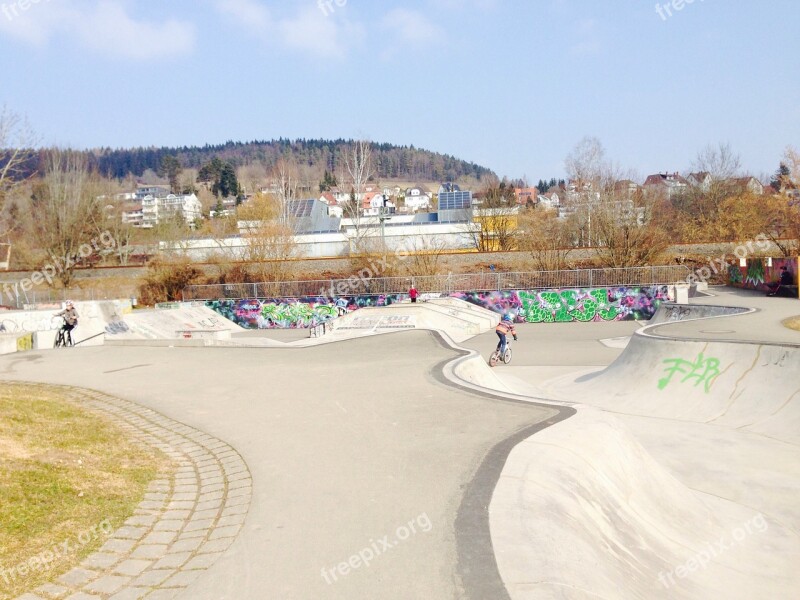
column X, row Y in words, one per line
column 391, row 161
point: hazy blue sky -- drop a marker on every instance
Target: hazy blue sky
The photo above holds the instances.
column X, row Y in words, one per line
column 510, row 84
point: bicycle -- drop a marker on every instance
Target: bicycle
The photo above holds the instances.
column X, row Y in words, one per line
column 63, row 339
column 495, row 357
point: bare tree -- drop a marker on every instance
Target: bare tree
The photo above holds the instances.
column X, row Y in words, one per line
column 270, row 238
column 716, row 165
column 359, row 170
column 783, row 210
column 425, row 254
column 66, row 207
column 497, row 216
column 286, row 181
column 627, row 235
column 619, row 226
column 16, row 150
column 719, row 161
column 546, row 238
column 587, row 162
column 112, row 220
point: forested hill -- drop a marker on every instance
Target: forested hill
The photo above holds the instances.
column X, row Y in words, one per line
column 390, row 161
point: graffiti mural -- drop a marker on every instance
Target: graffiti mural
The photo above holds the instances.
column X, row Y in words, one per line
column 762, row 275
column 294, row 313
column 504, row 303
column 592, row 305
column 548, row 306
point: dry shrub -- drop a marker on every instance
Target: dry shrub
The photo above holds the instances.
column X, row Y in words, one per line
column 165, row 279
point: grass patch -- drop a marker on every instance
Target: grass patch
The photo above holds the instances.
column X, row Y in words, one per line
column 792, row 323
column 68, row 477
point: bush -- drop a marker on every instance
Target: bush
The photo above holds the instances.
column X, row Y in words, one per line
column 164, row 280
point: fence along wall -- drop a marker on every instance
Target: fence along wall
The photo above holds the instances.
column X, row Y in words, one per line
column 360, row 285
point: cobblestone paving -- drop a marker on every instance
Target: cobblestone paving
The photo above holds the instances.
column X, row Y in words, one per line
column 182, row 526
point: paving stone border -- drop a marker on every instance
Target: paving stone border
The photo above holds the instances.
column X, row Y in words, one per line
column 183, row 525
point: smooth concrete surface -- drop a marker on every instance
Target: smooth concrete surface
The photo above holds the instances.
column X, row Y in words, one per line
column 347, row 443
column 764, row 324
column 599, row 483
column 456, row 318
column 684, row 483
column 173, row 323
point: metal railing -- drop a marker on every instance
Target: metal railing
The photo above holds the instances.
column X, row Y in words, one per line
column 16, row 297
column 442, row 284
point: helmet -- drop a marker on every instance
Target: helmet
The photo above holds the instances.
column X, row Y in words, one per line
column 69, row 303
column 507, row 318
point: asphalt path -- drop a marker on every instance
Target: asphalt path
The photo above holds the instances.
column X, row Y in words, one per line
column 371, row 476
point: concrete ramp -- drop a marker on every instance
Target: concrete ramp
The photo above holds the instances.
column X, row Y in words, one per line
column 182, row 321
column 747, row 387
column 458, row 319
column 36, row 328
column 593, row 515
column 679, row 479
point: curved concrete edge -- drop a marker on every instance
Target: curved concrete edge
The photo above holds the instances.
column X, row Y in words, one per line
column 696, row 313
column 670, row 312
column 185, row 522
column 516, row 520
column 582, row 510
column 476, row 550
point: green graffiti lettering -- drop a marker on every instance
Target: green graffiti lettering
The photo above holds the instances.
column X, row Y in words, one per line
column 703, row 371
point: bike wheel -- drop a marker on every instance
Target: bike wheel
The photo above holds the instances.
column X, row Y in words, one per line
column 507, row 356
column 493, row 358
column 59, row 340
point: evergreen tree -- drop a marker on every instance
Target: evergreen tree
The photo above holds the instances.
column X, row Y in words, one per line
column 171, row 168
column 781, row 178
column 227, row 184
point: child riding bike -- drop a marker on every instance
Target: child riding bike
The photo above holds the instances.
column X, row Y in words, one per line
column 504, row 327
column 70, row 316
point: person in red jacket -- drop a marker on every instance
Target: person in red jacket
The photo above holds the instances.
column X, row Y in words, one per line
column 504, row 327
column 412, row 293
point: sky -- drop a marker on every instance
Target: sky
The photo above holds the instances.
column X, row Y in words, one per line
column 512, row 85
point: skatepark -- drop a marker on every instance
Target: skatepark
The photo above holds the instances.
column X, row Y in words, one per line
column 383, row 457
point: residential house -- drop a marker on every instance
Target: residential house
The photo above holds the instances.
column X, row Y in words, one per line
column 665, row 185
column 154, row 210
column 740, row 185
column 701, row 180
column 527, row 196
column 418, row 198
column 328, row 198
column 156, row 191
column 626, row 189
column 132, row 213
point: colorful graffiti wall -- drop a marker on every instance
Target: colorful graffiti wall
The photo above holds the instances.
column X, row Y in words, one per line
column 547, row 306
column 758, row 275
column 294, row 313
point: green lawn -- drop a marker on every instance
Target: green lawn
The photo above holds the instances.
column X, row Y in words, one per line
column 68, row 478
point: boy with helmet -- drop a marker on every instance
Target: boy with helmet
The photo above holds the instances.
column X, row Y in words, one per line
column 70, row 319
column 504, row 327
